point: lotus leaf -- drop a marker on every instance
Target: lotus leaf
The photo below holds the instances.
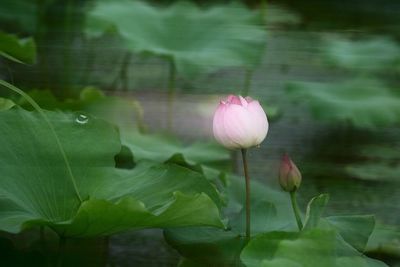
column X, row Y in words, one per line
column 58, row 170
column 197, row 40
column 18, row 50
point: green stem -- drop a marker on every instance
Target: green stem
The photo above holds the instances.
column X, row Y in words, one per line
column 46, row 119
column 296, row 210
column 247, row 82
column 247, row 179
column 171, row 93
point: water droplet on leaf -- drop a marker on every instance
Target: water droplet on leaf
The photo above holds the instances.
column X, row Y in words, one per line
column 82, row 119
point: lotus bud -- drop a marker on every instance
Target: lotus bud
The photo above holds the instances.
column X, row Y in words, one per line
column 240, row 123
column 289, row 175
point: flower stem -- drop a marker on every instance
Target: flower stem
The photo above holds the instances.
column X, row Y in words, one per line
column 247, row 178
column 296, row 209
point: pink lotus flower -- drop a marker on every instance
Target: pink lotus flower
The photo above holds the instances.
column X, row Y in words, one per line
column 289, row 175
column 240, row 122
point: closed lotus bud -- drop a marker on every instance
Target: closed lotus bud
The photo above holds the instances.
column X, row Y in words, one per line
column 240, row 123
column 289, row 175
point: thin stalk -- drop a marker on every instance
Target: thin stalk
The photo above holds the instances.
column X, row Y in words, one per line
column 247, row 179
column 296, row 210
column 46, row 119
column 171, row 93
column 247, row 82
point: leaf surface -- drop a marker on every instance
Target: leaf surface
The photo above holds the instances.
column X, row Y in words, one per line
column 197, row 40
column 37, row 188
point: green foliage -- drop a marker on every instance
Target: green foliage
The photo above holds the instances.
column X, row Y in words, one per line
column 214, row 247
column 290, row 249
column 20, row 14
column 305, row 249
column 196, row 40
column 355, row 229
column 6, row 104
column 163, row 148
column 127, row 115
column 206, row 246
column 378, row 163
column 385, row 240
column 363, row 103
column 18, row 50
column 336, row 241
column 40, row 187
column 374, row 54
column 314, row 211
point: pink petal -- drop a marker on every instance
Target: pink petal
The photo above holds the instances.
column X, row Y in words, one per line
column 249, row 99
column 239, row 126
column 232, row 99
column 260, row 118
column 218, row 127
column 243, row 101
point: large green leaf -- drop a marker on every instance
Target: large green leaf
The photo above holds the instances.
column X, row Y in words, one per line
column 315, row 208
column 385, row 240
column 305, row 249
column 265, row 201
column 270, row 210
column 6, row 103
column 373, row 54
column 333, row 239
column 65, row 178
column 364, row 103
column 374, row 171
column 207, row 246
column 18, row 50
column 347, row 256
column 355, row 229
column 163, row 148
column 126, row 114
column 377, row 163
column 197, row 40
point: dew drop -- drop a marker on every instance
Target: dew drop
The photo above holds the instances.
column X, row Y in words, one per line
column 82, row 119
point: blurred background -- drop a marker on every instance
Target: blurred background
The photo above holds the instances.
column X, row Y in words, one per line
column 327, row 73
